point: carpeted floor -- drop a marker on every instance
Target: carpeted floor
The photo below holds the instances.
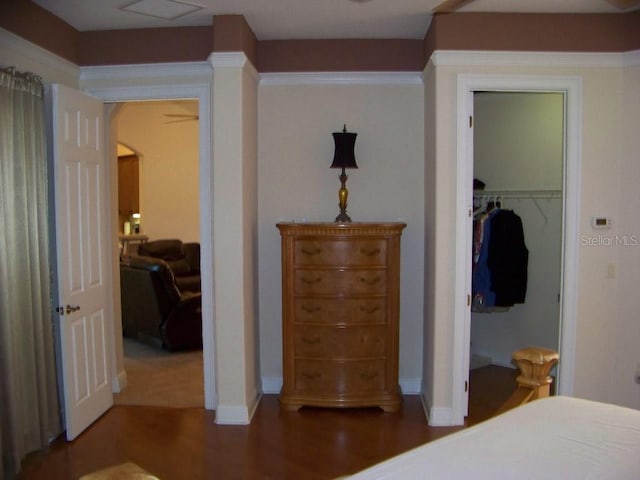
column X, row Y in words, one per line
column 156, row 377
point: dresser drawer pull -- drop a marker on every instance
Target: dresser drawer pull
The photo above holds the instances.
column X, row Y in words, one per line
column 371, row 281
column 369, row 310
column 310, row 341
column 370, row 252
column 311, row 252
column 311, row 281
column 311, row 376
column 368, row 376
column 311, row 309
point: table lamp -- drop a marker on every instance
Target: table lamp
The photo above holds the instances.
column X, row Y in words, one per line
column 344, row 157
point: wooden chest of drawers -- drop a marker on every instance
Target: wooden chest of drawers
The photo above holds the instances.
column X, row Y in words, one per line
column 340, row 308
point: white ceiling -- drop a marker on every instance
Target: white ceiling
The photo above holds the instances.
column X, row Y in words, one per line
column 298, row 19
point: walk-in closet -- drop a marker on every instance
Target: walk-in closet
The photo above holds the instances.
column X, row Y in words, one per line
column 518, row 172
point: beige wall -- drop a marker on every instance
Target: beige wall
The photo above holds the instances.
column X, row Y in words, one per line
column 293, row 153
column 440, row 85
column 169, row 162
column 235, row 239
column 518, row 140
column 429, row 372
column 626, row 354
column 296, row 184
column 604, row 367
column 600, row 318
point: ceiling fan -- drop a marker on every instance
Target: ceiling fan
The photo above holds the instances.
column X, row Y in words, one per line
column 179, row 117
column 448, row 6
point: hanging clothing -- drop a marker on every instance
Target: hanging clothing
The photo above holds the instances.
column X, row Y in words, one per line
column 500, row 261
column 482, row 294
column 508, row 259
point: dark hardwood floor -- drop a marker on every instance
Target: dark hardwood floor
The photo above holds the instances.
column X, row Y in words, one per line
column 313, row 443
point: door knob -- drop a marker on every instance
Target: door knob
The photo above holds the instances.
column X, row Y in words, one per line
column 71, row 309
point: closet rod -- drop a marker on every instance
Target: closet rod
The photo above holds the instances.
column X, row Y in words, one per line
column 518, row 193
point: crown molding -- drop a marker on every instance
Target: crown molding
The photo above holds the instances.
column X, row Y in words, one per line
column 631, row 59
column 228, row 59
column 233, row 60
column 144, row 71
column 534, row 59
column 341, row 78
column 55, row 66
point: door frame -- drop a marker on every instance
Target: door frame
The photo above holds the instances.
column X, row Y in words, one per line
column 202, row 93
column 571, row 87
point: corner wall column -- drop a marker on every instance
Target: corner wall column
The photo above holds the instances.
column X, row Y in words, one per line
column 234, row 125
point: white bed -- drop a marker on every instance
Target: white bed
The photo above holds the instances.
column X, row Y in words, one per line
column 558, row 438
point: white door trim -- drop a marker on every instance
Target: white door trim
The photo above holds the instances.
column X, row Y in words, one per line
column 572, row 88
column 202, row 93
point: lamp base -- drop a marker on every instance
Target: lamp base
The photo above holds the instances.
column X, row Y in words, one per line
column 343, row 218
column 343, row 194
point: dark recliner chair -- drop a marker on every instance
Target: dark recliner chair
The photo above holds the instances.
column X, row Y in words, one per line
column 153, row 308
column 183, row 259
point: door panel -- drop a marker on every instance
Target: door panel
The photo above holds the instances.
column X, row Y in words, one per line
column 79, row 167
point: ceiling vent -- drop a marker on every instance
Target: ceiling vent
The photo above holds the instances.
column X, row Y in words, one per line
column 166, row 9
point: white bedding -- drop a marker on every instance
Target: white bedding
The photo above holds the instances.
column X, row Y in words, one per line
column 558, row 438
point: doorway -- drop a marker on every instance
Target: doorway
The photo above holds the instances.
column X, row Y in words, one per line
column 112, row 96
column 518, row 157
column 160, row 202
column 467, row 85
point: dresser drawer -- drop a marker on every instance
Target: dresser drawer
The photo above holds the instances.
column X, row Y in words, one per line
column 340, row 342
column 339, row 282
column 363, row 252
column 339, row 310
column 351, row 377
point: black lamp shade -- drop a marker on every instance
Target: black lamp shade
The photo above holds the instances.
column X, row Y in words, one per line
column 344, row 156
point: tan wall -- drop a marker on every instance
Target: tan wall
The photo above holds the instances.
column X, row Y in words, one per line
column 235, row 238
column 609, row 178
column 607, row 318
column 625, row 357
column 168, row 153
column 296, row 184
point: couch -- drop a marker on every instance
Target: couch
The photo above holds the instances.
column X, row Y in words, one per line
column 154, row 309
column 182, row 258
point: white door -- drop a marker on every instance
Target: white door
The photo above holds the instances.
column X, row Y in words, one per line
column 80, row 199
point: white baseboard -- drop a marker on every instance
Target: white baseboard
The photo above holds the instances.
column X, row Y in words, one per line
column 232, row 415
column 237, row 414
column 508, row 364
column 440, row 417
column 119, row 381
column 409, row 386
column 436, row 416
column 271, row 385
column 425, row 405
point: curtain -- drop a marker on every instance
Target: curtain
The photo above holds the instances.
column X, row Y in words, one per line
column 29, row 406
